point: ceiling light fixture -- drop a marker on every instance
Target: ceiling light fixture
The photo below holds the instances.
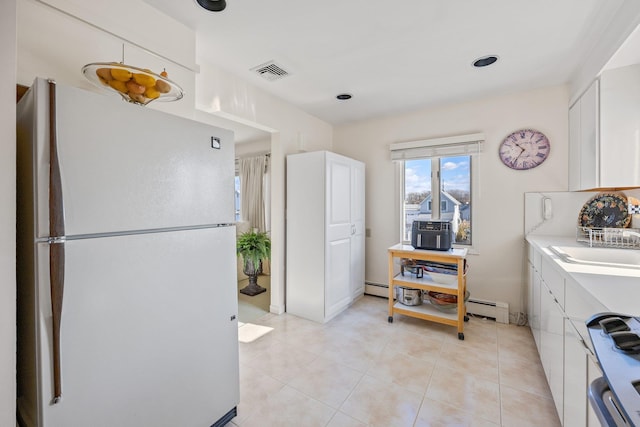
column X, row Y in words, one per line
column 213, row 5
column 485, row 61
column 343, row 96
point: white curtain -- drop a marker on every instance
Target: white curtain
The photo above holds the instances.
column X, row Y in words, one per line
column 252, row 173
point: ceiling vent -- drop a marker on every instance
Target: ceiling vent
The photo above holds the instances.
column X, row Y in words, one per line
column 270, row 71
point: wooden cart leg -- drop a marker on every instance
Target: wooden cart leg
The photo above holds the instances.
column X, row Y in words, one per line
column 462, row 308
column 390, row 273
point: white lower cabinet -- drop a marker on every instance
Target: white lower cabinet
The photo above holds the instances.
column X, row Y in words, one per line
column 533, row 299
column 557, row 310
column 575, row 377
column 535, row 317
column 593, row 372
column 551, row 345
column 580, row 371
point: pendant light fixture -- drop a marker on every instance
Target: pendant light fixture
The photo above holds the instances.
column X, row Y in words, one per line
column 136, row 85
column 213, row 5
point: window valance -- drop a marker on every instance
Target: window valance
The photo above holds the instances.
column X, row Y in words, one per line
column 460, row 145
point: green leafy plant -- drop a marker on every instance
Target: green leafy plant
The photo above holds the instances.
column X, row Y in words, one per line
column 254, row 246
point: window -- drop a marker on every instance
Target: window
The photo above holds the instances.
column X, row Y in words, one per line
column 438, row 173
column 237, row 197
column 453, row 186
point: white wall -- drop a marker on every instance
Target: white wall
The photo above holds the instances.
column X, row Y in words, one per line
column 293, row 131
column 495, row 272
column 7, row 213
column 565, row 212
column 48, row 47
column 252, row 148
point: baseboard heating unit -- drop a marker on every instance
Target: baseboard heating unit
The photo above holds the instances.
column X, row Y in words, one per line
column 494, row 309
column 376, row 289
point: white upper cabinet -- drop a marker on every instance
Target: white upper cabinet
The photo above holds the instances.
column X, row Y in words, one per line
column 620, row 127
column 584, row 140
column 604, row 132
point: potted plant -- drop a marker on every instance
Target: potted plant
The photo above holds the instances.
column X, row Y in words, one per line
column 253, row 246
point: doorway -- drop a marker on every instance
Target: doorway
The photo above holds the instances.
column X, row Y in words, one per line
column 255, row 146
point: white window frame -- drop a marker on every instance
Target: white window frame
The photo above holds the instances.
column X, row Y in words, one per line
column 435, row 149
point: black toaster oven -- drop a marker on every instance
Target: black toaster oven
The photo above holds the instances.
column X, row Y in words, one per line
column 432, row 235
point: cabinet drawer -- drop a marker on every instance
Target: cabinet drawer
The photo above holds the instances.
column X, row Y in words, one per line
column 579, row 307
column 535, row 258
column 554, row 280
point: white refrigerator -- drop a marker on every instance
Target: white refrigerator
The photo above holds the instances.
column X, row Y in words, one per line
column 126, row 265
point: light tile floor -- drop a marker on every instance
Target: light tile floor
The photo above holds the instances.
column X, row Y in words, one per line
column 360, row 370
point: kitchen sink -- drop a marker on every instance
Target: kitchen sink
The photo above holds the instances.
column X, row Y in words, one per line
column 606, row 257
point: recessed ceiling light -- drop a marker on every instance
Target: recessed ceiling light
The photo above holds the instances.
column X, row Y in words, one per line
column 485, row 61
column 213, row 5
column 343, row 96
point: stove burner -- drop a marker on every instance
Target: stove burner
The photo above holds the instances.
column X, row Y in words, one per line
column 613, row 324
column 616, row 341
column 628, row 342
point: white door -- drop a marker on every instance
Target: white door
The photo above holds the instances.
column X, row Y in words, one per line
column 148, row 330
column 357, row 229
column 338, row 245
column 126, row 167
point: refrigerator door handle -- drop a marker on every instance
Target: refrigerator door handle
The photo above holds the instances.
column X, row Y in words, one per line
column 56, row 248
column 56, row 274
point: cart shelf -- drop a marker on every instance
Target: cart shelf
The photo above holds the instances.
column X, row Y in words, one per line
column 427, row 311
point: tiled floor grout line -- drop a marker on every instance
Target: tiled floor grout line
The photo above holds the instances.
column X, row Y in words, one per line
column 361, row 323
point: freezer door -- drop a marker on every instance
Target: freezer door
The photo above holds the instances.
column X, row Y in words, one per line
column 149, row 335
column 127, row 167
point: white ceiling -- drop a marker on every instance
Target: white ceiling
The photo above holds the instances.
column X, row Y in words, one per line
column 395, row 57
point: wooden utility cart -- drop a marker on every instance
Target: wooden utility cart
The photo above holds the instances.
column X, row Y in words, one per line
column 426, row 311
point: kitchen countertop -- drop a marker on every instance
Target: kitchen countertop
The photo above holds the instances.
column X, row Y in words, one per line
column 618, row 289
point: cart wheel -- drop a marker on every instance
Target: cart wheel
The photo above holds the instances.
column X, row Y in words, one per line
column 390, row 319
column 466, row 318
column 461, row 336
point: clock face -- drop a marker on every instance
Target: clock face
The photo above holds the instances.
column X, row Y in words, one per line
column 524, row 149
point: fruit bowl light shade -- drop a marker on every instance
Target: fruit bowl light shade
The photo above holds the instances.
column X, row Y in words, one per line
column 135, row 85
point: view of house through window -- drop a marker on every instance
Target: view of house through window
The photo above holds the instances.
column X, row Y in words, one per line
column 452, row 180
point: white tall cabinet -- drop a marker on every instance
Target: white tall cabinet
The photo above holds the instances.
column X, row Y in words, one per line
column 325, row 234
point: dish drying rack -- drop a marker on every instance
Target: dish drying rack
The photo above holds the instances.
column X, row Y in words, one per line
column 623, row 238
